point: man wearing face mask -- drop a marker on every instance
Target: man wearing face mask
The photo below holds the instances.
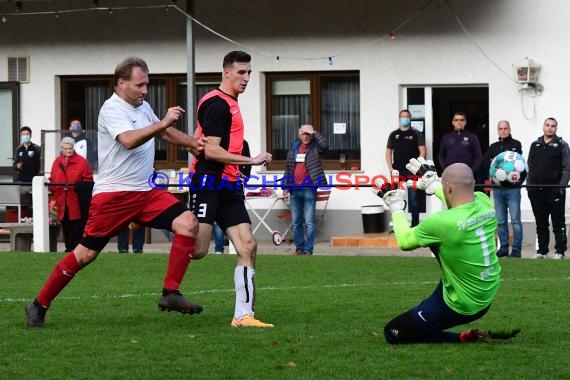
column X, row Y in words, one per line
column 403, row 144
column 83, row 146
column 27, row 157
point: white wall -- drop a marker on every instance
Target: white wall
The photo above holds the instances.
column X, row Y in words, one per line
column 430, row 50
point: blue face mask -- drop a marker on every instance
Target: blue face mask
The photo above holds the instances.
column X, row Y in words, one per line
column 405, row 121
column 25, row 139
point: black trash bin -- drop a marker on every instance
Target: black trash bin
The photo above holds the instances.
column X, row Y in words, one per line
column 373, row 219
column 53, row 237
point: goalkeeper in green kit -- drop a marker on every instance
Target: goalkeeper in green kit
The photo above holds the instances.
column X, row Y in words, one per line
column 462, row 238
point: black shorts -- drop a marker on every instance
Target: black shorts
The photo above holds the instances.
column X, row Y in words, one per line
column 224, row 206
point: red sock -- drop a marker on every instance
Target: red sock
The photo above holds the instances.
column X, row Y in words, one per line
column 58, row 279
column 180, row 255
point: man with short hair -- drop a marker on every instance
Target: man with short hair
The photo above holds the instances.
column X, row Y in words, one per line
column 27, row 157
column 549, row 164
column 462, row 238
column 126, row 133
column 404, row 144
column 460, row 145
column 507, row 199
column 219, row 195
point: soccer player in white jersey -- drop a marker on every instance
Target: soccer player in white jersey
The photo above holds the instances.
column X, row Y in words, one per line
column 123, row 192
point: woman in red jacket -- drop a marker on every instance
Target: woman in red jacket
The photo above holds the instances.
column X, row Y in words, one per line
column 72, row 169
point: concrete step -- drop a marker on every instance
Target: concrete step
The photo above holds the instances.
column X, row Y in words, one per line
column 381, row 240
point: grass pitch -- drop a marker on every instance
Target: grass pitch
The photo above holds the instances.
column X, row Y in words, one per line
column 329, row 314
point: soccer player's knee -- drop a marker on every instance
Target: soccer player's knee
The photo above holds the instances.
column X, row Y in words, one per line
column 251, row 245
column 401, row 329
column 391, row 334
column 186, row 224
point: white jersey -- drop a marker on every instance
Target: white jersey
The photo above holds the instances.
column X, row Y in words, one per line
column 121, row 169
column 81, row 148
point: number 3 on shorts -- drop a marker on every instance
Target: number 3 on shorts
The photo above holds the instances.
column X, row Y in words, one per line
column 202, row 210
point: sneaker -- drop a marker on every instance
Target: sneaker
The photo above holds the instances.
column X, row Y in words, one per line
column 218, row 253
column 515, row 255
column 472, row 335
column 308, row 253
column 249, row 321
column 558, row 256
column 538, row 256
column 501, row 253
column 175, row 301
column 123, row 251
column 138, row 251
column 36, row 315
column 297, row 253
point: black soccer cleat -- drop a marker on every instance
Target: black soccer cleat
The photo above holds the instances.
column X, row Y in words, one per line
column 175, row 301
column 36, row 315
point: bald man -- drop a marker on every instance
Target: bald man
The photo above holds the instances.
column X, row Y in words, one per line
column 462, row 238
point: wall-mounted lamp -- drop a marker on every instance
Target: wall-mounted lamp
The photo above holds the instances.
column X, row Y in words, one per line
column 527, row 75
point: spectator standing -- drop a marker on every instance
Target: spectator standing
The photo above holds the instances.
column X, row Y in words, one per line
column 304, row 174
column 219, row 196
column 549, row 164
column 138, row 234
column 460, row 145
column 73, row 170
column 404, row 144
column 83, row 146
column 219, row 238
column 507, row 200
column 127, row 128
column 27, row 157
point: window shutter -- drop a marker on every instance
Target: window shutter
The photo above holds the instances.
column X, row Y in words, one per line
column 19, row 69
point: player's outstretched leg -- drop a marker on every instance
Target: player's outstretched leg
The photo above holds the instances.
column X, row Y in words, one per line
column 245, row 299
column 178, row 261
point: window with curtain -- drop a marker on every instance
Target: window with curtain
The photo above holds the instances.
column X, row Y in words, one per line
column 330, row 101
column 83, row 96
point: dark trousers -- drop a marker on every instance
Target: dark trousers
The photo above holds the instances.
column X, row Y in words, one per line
column 545, row 203
column 72, row 232
column 138, row 240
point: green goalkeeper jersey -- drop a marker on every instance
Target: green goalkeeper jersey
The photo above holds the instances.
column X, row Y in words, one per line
column 463, row 239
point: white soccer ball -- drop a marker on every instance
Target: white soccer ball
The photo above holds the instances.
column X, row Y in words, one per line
column 508, row 169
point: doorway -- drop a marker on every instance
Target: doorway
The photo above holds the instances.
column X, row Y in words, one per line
column 433, row 108
column 473, row 101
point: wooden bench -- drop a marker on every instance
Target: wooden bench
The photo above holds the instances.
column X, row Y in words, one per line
column 20, row 235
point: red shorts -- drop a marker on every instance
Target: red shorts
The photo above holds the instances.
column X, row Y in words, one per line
column 111, row 213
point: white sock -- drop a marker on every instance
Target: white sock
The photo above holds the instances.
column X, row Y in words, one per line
column 245, row 291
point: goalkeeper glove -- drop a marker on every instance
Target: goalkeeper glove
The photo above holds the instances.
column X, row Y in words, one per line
column 395, row 199
column 429, row 180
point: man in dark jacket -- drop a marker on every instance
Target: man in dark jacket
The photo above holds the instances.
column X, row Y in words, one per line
column 460, row 146
column 304, row 174
column 549, row 164
column 27, row 157
column 507, row 200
